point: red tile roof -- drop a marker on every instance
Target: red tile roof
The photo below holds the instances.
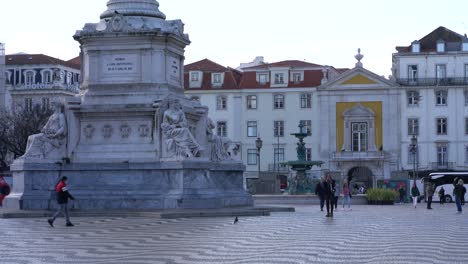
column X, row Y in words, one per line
column 205, row 66
column 312, row 78
column 231, row 76
column 287, row 63
column 34, row 59
column 76, row 61
column 234, row 79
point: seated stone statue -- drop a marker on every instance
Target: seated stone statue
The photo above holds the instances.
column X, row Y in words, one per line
column 180, row 142
column 222, row 148
column 51, row 142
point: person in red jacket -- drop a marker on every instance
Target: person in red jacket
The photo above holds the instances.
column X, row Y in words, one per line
column 62, row 199
column 4, row 190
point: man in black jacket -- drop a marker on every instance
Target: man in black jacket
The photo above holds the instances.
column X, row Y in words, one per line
column 329, row 191
column 62, row 199
column 320, row 192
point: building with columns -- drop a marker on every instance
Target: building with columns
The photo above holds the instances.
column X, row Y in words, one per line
column 363, row 126
column 38, row 79
column 265, row 101
column 359, row 125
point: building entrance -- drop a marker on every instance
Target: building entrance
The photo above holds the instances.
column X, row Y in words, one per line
column 359, row 177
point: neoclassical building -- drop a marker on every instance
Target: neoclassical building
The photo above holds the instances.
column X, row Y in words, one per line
column 37, row 79
column 359, row 126
column 363, row 126
column 432, row 76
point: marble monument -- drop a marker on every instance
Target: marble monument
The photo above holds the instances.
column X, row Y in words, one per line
column 131, row 139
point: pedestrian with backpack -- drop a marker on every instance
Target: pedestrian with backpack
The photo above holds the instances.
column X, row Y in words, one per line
column 62, row 199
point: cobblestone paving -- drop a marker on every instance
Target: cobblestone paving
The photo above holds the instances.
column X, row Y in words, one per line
column 367, row 234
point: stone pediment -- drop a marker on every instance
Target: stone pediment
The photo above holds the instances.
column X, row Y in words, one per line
column 358, row 111
column 358, row 78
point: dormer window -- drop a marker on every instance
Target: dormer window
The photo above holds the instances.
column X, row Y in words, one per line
column 263, row 78
column 195, row 80
column 279, row 78
column 297, row 77
column 415, row 46
column 194, row 77
column 465, row 44
column 217, row 78
column 440, row 46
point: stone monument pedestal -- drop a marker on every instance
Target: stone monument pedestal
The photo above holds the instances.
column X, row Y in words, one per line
column 131, row 139
column 160, row 185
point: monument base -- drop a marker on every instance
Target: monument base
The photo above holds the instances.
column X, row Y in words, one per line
column 156, row 185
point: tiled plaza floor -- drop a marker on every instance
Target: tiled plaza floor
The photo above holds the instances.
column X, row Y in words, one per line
column 367, row 234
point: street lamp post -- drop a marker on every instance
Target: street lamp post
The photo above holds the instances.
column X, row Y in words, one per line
column 414, row 152
column 258, row 144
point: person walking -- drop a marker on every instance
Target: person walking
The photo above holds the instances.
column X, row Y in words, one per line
column 415, row 195
column 442, row 195
column 463, row 195
column 458, row 192
column 346, row 196
column 429, row 194
column 320, row 192
column 401, row 191
column 62, row 199
column 336, row 196
column 329, row 194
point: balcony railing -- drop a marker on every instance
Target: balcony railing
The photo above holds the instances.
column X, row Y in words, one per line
column 350, row 155
column 433, row 82
column 443, row 165
column 75, row 88
column 277, row 168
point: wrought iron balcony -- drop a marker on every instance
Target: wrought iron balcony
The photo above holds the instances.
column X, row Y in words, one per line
column 449, row 81
column 443, row 165
column 351, row 155
column 278, row 168
column 75, row 88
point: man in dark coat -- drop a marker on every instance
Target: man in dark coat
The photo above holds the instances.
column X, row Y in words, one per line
column 329, row 190
column 320, row 192
column 62, row 199
column 429, row 194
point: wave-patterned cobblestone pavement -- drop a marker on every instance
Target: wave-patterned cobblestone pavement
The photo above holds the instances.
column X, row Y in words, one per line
column 368, row 234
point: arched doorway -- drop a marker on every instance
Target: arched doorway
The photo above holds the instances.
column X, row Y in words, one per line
column 360, row 176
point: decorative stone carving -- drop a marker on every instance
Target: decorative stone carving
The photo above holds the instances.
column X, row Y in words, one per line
column 51, row 142
column 125, row 131
column 58, row 76
column 179, row 141
column 107, row 131
column 89, row 131
column 144, row 131
column 222, row 148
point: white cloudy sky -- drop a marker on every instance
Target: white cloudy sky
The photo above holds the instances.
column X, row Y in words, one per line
column 229, row 32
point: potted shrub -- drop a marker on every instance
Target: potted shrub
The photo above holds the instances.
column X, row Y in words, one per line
column 381, row 196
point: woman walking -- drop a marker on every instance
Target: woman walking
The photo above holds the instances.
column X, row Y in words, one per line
column 415, row 194
column 346, row 195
